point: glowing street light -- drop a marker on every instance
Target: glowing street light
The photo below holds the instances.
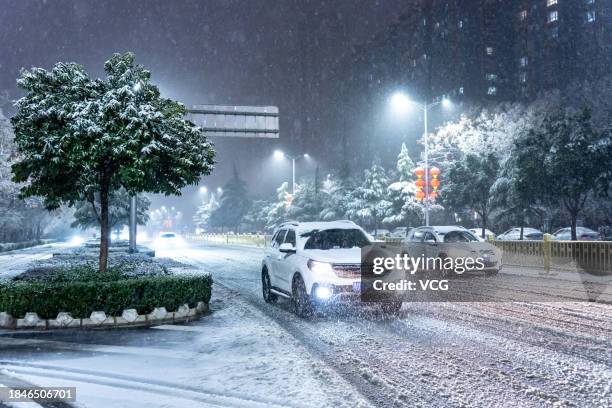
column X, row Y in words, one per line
column 278, row 154
column 203, row 190
column 401, row 103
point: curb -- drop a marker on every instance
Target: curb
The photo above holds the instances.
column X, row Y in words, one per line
column 99, row 320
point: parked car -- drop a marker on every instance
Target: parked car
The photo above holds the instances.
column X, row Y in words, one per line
column 400, row 232
column 314, row 263
column 478, row 233
column 514, row 234
column 582, row 234
column 380, row 233
column 452, row 242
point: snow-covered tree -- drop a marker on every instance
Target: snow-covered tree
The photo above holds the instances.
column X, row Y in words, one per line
column 87, row 213
column 20, row 219
column 233, row 204
column 403, row 209
column 257, row 216
column 277, row 212
column 204, row 211
column 78, row 136
column 307, row 202
column 565, row 160
column 338, row 194
column 469, row 184
column 369, row 201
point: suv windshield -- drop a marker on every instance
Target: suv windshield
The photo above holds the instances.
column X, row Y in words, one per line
column 335, row 239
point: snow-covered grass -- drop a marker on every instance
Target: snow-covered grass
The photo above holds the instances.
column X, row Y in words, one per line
column 11, row 246
column 128, row 265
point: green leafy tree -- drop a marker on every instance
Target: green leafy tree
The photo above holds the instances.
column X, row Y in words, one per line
column 565, row 160
column 87, row 213
column 470, row 182
column 233, row 204
column 79, row 136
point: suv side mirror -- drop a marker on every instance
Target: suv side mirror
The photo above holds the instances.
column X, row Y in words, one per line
column 287, row 248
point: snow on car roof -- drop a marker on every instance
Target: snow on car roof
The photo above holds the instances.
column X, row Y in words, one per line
column 445, row 228
column 302, row 227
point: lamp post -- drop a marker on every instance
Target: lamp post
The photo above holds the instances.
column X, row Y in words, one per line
column 279, row 155
column 401, row 102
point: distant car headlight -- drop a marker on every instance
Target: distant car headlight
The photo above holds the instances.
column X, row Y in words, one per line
column 319, row 267
column 77, row 240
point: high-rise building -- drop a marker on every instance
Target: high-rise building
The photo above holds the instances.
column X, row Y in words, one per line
column 488, row 49
column 476, row 51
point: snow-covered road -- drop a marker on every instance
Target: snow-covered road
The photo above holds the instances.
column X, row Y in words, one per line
column 249, row 353
column 445, row 354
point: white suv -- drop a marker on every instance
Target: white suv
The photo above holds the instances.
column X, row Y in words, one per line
column 313, row 263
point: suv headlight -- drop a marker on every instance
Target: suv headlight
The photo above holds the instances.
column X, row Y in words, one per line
column 319, row 267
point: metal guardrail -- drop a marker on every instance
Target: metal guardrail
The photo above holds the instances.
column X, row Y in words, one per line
column 258, row 240
column 590, row 256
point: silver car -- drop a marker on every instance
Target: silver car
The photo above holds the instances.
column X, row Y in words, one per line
column 452, row 242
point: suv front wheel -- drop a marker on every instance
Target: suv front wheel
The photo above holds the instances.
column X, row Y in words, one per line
column 268, row 296
column 302, row 305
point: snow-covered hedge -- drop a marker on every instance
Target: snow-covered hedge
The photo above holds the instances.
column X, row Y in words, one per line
column 83, row 291
column 11, row 246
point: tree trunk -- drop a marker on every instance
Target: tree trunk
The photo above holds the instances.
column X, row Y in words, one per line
column 522, row 228
column 574, row 217
column 104, row 221
column 484, row 217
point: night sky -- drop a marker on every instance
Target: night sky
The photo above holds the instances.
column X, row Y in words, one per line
column 255, row 52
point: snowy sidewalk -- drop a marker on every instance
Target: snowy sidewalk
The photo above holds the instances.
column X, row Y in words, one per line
column 228, row 358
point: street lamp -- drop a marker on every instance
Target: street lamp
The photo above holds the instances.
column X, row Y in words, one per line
column 401, row 103
column 280, row 155
column 203, row 190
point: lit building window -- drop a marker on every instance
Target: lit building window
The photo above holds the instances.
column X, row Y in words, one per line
column 523, row 77
column 460, row 24
column 553, row 16
column 490, row 50
column 523, row 15
column 554, row 32
column 590, row 16
column 523, row 62
column 491, row 77
column 550, row 3
column 461, row 90
column 492, row 90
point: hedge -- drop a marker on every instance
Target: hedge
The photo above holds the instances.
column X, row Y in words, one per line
column 83, row 297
